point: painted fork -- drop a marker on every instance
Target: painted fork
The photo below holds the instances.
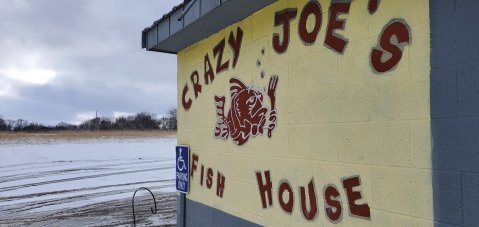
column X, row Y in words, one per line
column 273, row 83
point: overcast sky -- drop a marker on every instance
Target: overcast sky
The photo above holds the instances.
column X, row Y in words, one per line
column 63, row 60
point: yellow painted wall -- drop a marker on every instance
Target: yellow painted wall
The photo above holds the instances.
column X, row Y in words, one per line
column 336, row 119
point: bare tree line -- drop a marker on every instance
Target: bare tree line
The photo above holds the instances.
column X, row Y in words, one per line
column 139, row 121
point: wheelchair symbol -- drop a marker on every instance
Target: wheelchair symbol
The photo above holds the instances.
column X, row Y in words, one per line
column 180, row 163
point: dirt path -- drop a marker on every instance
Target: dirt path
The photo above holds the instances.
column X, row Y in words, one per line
column 111, row 213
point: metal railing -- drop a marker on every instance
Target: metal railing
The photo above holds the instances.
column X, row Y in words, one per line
column 133, row 203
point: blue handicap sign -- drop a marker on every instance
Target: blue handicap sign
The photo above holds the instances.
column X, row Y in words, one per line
column 182, row 166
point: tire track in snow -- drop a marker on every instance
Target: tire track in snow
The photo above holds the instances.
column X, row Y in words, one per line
column 28, row 196
column 50, row 164
column 23, row 207
column 29, row 206
column 11, row 188
column 91, row 169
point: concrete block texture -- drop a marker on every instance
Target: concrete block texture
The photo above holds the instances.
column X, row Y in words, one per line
column 376, row 143
column 455, row 111
column 468, row 92
column 403, row 191
column 399, row 97
column 453, row 39
column 470, row 185
column 444, row 92
column 448, row 197
column 455, row 144
column 198, row 214
column 336, row 118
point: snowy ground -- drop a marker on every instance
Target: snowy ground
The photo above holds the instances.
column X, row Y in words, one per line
column 87, row 182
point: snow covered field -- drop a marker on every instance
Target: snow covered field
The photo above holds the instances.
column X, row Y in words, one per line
column 42, row 181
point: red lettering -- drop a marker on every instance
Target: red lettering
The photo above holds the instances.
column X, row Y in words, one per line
column 283, row 18
column 186, row 104
column 209, row 73
column 357, row 210
column 312, row 7
column 334, row 40
column 311, row 214
column 202, row 174
column 235, row 44
column 265, row 188
column 287, row 206
column 209, row 178
column 195, row 79
column 207, row 172
column 218, row 53
column 220, row 185
column 373, row 6
column 398, row 28
column 194, row 164
column 332, row 199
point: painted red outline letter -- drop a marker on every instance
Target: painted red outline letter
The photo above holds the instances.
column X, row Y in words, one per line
column 312, row 7
column 284, row 18
column 398, row 28
column 357, row 210
column 334, row 40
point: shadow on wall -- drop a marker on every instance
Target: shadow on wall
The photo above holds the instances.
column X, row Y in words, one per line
column 455, row 111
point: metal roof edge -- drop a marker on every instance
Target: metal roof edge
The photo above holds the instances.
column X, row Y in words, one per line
column 165, row 16
column 168, row 35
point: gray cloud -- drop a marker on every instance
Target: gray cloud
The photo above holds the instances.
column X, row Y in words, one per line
column 92, row 51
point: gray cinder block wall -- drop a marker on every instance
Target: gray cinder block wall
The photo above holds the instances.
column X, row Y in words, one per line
column 455, row 111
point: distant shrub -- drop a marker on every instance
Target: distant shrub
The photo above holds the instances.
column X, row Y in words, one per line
column 139, row 121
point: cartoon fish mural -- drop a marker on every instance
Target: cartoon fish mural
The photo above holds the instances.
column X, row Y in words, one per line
column 247, row 114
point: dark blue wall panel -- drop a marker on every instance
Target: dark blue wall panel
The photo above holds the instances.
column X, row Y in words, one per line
column 455, row 111
column 200, row 215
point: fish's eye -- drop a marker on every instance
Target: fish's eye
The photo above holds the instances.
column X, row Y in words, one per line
column 251, row 100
